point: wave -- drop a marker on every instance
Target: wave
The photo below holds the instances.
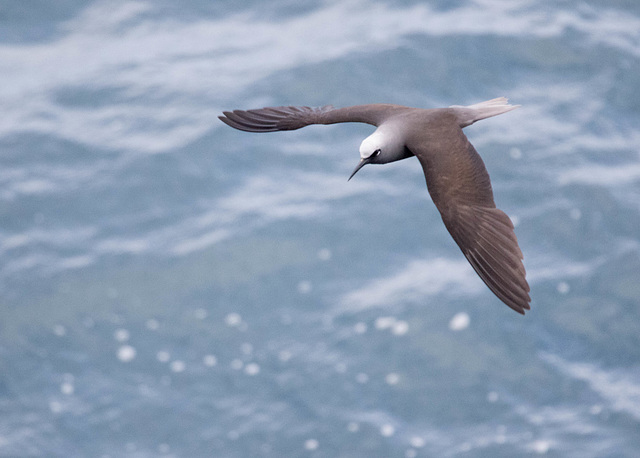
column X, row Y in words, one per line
column 171, row 77
column 618, row 388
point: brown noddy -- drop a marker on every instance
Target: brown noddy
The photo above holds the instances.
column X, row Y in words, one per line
column 456, row 177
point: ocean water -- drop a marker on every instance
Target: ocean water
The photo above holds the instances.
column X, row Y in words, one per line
column 172, row 287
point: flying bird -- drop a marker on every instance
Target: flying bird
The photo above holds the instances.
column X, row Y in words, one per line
column 457, row 179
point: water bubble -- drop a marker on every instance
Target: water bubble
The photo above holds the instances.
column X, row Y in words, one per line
column 459, row 322
column 246, row 348
column 177, row 366
column 163, row 356
column 341, row 368
column 595, row 409
column 400, row 328
column 210, row 360
column 55, row 406
column 353, row 427
column 324, row 254
column 59, row 330
column 575, row 214
column 252, row 369
column 67, row 388
column 311, row 444
column 360, row 328
column 362, row 378
column 392, row 378
column 121, row 335
column 152, row 324
column 387, row 430
column 384, row 322
column 237, row 364
column 417, row 442
column 200, row 314
column 233, row 319
column 410, row 453
column 304, row 287
column 492, row 396
column 563, row 287
column 126, row 353
column 515, row 153
column 284, row 355
column 515, row 220
column 164, row 449
column 540, row 447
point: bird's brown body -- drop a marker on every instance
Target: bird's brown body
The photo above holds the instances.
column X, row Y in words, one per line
column 456, row 176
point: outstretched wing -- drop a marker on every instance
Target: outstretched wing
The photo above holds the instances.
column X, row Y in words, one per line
column 273, row 119
column 460, row 187
column 486, row 237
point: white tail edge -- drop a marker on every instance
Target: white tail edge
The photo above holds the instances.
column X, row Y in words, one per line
column 467, row 115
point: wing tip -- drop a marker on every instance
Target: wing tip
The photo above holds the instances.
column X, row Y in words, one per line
column 509, row 286
column 242, row 120
column 271, row 119
column 520, row 308
column 223, row 117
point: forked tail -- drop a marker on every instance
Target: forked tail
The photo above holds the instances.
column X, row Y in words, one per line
column 472, row 113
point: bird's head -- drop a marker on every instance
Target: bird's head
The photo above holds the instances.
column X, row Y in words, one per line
column 379, row 148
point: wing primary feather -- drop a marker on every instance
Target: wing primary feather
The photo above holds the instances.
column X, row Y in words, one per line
column 255, row 120
column 506, row 250
column 515, row 303
column 241, row 125
column 510, row 277
column 495, row 276
column 240, row 121
column 258, row 114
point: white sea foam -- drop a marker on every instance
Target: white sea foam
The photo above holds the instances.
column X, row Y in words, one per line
column 121, row 52
column 414, row 281
column 146, row 62
column 612, row 175
column 620, row 388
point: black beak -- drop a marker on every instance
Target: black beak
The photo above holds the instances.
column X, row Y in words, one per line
column 361, row 164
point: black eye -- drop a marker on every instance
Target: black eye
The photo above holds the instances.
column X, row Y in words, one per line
column 376, row 153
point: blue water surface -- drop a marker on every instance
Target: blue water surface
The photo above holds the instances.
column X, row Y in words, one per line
column 173, row 287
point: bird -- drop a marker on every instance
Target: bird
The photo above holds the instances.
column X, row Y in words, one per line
column 456, row 177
